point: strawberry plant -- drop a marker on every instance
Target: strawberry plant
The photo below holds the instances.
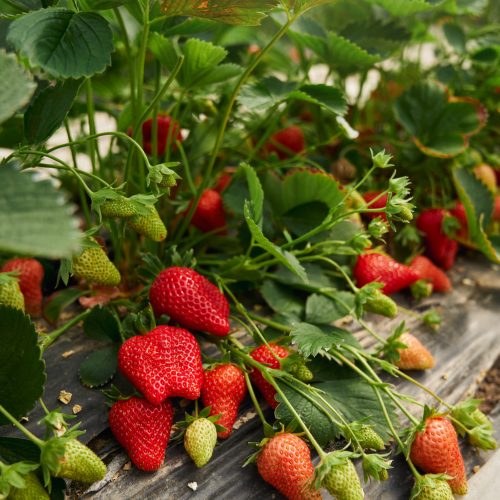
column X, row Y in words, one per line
column 184, row 185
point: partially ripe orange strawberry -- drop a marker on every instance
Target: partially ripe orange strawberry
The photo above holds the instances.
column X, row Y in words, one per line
column 436, row 450
column 285, row 463
column 414, row 356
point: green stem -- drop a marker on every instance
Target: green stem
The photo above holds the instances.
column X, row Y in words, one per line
column 91, row 119
column 394, row 433
column 253, row 397
column 130, row 63
column 297, row 417
column 53, row 336
column 157, row 98
column 44, row 406
column 21, row 427
column 225, row 119
column 269, row 322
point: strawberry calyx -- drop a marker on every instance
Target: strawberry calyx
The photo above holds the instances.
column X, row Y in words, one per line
column 431, row 482
column 182, row 425
column 329, row 462
column 421, row 289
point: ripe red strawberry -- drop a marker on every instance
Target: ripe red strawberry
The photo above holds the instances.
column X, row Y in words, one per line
column 285, row 463
column 190, row 300
column 287, row 142
column 163, row 130
column 441, row 248
column 428, row 271
column 223, row 390
column 263, row 355
column 165, row 362
column 225, row 179
column 436, row 450
column 380, row 203
column 30, row 281
column 209, row 214
column 143, row 430
column 414, row 356
column 496, row 209
column 461, row 215
column 384, row 269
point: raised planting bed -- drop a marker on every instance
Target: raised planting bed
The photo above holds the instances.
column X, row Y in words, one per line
column 465, row 347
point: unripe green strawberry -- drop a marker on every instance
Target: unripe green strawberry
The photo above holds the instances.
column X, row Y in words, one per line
column 380, row 303
column 200, row 440
column 10, row 293
column 167, row 181
column 384, row 475
column 80, row 463
column 369, row 439
column 151, row 226
column 341, row 479
column 33, row 490
column 431, row 488
column 300, row 371
column 94, row 266
column 120, row 207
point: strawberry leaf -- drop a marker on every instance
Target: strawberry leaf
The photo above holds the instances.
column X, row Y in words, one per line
column 13, row 97
column 22, row 369
column 101, row 324
column 281, row 299
column 324, row 311
column 247, row 12
column 34, row 217
column 312, row 340
column 99, row 367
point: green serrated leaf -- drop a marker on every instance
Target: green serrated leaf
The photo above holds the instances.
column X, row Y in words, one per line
column 324, row 311
column 35, row 218
column 286, row 258
column 99, row 367
column 281, row 299
column 103, row 4
column 265, row 93
column 403, row 8
column 438, row 127
column 300, row 188
column 50, row 38
column 247, row 12
column 101, row 324
column 22, row 369
column 13, row 97
column 48, row 110
column 312, row 339
column 325, row 96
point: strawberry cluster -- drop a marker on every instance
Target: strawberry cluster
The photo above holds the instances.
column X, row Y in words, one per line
column 166, row 363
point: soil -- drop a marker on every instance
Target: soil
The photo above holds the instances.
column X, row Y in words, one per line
column 489, row 389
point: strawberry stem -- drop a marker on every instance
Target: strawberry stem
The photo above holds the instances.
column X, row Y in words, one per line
column 21, row 427
column 253, row 397
column 54, row 335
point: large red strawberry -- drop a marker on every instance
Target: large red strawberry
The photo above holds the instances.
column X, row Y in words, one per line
column 285, row 463
column 143, row 430
column 190, row 300
column 428, row 271
column 264, row 355
column 287, row 142
column 30, row 282
column 436, row 450
column 209, row 214
column 378, row 267
column 163, row 363
column 379, row 203
column 440, row 247
column 223, row 390
column 163, row 131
